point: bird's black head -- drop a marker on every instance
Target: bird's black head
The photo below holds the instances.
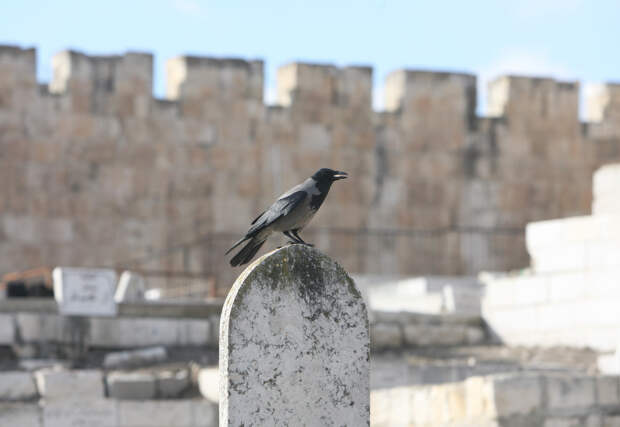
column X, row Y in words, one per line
column 325, row 176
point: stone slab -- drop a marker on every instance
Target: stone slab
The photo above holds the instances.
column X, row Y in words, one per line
column 294, row 344
column 69, row 385
column 132, row 358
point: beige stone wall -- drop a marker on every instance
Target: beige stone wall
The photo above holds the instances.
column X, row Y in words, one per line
column 94, row 171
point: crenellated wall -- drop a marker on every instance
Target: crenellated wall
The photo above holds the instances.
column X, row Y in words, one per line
column 94, row 171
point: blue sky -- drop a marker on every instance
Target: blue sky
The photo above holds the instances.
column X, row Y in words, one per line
column 567, row 39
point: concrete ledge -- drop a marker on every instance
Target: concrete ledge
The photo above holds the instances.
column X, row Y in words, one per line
column 127, row 309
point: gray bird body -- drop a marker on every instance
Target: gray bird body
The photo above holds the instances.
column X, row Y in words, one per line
column 289, row 214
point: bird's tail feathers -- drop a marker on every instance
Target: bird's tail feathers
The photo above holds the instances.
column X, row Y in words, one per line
column 246, row 254
column 237, row 243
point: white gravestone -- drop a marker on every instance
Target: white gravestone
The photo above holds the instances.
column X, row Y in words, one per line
column 294, row 344
column 131, row 288
column 85, row 291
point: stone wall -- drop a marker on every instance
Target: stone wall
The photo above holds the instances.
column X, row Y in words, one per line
column 96, row 172
column 66, row 398
column 520, row 399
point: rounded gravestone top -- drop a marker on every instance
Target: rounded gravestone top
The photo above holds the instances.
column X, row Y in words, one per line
column 294, row 344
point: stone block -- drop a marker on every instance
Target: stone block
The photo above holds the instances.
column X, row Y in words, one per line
column 17, row 385
column 135, row 358
column 69, row 385
column 20, row 414
column 517, row 394
column 155, row 413
column 571, row 243
column 148, row 331
column 172, row 383
column 568, row 393
column 131, row 385
column 83, row 412
column 607, row 390
column 385, row 336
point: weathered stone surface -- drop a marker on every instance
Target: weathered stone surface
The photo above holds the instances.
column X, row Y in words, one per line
column 69, row 385
column 16, row 385
column 131, row 385
column 294, row 344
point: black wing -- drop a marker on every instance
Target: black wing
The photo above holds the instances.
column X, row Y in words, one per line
column 279, row 209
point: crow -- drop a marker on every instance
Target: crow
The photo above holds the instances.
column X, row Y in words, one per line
column 289, row 214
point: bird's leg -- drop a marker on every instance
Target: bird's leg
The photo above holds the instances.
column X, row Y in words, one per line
column 293, row 239
column 300, row 239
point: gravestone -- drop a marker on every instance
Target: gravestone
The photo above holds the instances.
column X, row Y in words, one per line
column 85, row 291
column 131, row 288
column 294, row 344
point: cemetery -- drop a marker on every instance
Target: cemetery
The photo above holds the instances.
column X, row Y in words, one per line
column 473, row 280
column 301, row 342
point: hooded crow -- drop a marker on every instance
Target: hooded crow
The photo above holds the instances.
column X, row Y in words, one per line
column 289, row 214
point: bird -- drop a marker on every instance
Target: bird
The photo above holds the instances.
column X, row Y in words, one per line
column 289, row 214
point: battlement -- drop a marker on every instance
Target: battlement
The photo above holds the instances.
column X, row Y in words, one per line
column 191, row 76
column 18, row 81
column 122, row 84
column 523, row 98
column 104, row 84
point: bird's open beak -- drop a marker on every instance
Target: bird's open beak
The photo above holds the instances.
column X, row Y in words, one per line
column 340, row 175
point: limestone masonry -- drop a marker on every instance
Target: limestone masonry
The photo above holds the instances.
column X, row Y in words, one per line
column 96, row 172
